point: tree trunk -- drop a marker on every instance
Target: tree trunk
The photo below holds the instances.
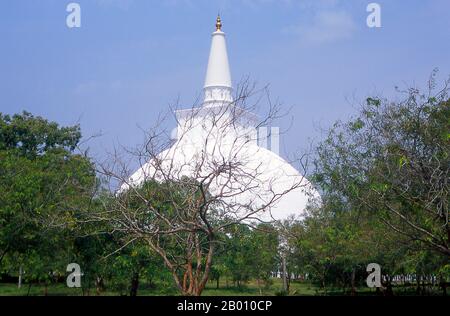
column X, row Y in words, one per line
column 283, row 264
column 99, row 285
column 353, row 281
column 19, row 285
column 217, row 282
column 134, row 284
column 197, row 280
column 389, row 291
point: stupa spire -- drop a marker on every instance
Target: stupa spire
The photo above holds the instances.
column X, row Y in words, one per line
column 218, row 78
column 218, row 23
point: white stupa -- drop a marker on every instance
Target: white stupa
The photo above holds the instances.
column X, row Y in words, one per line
column 217, row 143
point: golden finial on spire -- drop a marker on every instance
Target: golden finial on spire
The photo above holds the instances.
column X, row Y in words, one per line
column 218, row 23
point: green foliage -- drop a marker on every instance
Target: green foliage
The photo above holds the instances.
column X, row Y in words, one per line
column 246, row 253
column 33, row 136
column 41, row 181
column 384, row 183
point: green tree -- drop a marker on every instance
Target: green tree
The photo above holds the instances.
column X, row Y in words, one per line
column 384, row 184
column 393, row 160
column 42, row 181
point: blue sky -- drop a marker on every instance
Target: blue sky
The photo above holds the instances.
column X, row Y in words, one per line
column 132, row 58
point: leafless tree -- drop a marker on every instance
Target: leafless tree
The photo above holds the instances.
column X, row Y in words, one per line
column 192, row 187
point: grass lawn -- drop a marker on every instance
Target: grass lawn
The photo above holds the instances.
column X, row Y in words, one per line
column 249, row 289
column 253, row 289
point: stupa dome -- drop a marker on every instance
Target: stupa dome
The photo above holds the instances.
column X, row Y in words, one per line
column 219, row 133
